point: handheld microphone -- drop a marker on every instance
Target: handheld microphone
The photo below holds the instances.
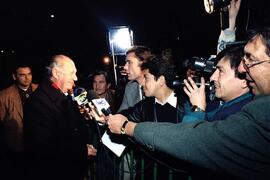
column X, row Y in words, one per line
column 80, row 96
column 102, row 106
column 83, row 98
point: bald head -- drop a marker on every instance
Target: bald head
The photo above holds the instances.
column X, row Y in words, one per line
column 62, row 72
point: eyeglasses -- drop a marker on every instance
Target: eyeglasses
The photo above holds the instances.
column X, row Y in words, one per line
column 249, row 62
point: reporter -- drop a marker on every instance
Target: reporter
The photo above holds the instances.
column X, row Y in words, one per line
column 238, row 146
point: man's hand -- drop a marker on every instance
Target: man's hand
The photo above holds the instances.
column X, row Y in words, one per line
column 92, row 114
column 91, row 150
column 115, row 122
column 196, row 94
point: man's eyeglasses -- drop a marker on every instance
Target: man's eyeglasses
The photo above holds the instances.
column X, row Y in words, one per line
column 249, row 63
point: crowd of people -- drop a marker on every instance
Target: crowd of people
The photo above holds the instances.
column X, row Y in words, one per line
column 169, row 134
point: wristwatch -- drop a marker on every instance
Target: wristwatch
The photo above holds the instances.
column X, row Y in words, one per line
column 196, row 109
column 123, row 128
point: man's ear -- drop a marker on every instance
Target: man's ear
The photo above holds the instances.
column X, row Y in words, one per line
column 161, row 80
column 244, row 83
column 55, row 73
column 14, row 77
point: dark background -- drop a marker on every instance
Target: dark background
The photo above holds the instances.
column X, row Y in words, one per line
column 79, row 29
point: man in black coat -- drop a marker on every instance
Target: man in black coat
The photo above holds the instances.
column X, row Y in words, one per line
column 56, row 137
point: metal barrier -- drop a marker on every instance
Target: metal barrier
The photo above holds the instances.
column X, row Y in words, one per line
column 141, row 173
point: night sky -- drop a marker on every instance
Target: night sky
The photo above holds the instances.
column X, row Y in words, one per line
column 79, row 29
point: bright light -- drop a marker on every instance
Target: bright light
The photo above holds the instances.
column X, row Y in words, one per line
column 52, row 16
column 120, row 39
column 106, row 60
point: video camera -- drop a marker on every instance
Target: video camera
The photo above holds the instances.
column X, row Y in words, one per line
column 200, row 65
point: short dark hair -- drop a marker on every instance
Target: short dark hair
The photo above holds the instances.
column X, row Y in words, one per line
column 104, row 73
column 234, row 54
column 141, row 52
column 21, row 64
column 160, row 66
column 264, row 33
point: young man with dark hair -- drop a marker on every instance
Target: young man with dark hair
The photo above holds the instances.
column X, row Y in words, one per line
column 159, row 105
column 101, row 85
column 12, row 101
column 135, row 56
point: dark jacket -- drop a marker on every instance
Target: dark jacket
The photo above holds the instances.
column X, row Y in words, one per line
column 144, row 110
column 239, row 146
column 55, row 135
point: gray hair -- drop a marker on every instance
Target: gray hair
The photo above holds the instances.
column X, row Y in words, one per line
column 54, row 62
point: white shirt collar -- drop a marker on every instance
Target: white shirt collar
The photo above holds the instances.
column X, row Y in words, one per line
column 172, row 100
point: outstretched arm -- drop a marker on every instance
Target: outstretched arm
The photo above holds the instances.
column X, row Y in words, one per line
column 228, row 35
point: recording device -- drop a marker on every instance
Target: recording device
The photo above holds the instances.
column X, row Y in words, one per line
column 209, row 86
column 102, row 106
column 80, row 96
column 215, row 5
column 83, row 98
column 202, row 67
column 179, row 82
column 200, row 64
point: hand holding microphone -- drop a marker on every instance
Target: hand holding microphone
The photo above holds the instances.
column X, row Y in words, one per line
column 99, row 107
column 84, row 100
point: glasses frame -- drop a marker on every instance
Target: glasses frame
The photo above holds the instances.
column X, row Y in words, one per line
column 253, row 63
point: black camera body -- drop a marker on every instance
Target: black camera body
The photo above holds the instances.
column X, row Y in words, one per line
column 200, row 65
column 203, row 68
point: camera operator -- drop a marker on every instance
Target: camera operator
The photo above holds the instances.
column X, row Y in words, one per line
column 230, row 88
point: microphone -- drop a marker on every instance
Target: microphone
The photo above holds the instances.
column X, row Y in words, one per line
column 83, row 98
column 101, row 105
column 80, row 96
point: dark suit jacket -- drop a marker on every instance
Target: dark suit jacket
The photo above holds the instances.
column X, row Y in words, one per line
column 55, row 135
column 239, row 145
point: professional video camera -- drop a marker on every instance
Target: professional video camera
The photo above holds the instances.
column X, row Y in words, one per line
column 200, row 67
column 200, row 64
